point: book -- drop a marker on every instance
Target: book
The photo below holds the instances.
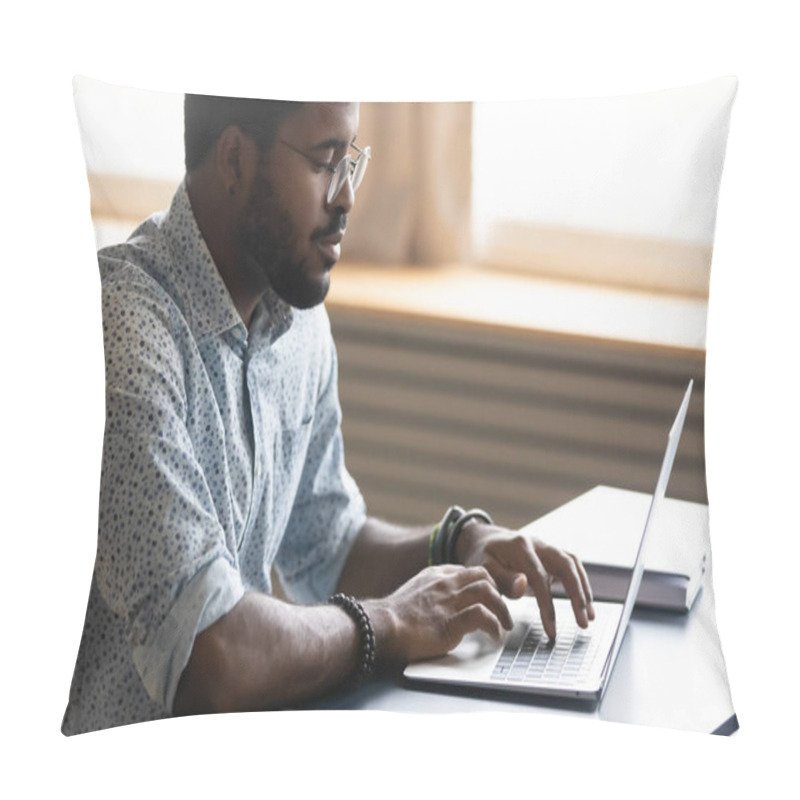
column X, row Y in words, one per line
column 603, row 528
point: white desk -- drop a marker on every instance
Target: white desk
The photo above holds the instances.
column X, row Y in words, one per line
column 669, row 673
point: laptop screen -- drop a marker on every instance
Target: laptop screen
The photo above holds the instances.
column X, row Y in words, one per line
column 658, row 496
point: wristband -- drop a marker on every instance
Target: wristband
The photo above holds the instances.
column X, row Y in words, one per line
column 431, row 543
column 475, row 513
column 354, row 609
column 438, row 546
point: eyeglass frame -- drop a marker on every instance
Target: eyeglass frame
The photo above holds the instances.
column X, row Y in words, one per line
column 348, row 172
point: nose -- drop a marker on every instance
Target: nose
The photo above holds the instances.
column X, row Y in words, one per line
column 345, row 199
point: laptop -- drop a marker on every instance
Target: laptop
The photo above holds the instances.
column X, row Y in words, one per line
column 577, row 665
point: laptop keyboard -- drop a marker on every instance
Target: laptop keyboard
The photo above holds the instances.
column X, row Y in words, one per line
column 530, row 657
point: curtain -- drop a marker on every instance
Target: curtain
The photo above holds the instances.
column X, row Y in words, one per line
column 414, row 204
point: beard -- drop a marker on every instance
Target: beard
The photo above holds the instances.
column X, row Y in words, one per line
column 268, row 242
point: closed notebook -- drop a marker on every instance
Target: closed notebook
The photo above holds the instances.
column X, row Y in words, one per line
column 676, row 557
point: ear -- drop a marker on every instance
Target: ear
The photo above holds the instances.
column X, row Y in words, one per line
column 232, row 157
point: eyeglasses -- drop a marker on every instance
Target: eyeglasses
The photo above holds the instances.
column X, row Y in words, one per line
column 347, row 168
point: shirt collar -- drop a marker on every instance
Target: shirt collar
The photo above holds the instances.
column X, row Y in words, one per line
column 208, row 306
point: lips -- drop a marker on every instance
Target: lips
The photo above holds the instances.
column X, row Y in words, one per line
column 331, row 244
column 332, row 238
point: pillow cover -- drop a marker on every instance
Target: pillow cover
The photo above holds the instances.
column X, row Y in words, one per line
column 507, row 349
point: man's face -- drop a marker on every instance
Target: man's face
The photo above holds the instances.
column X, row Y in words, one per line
column 288, row 233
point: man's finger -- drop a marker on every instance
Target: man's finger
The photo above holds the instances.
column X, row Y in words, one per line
column 510, row 582
column 475, row 618
column 465, row 575
column 587, row 587
column 539, row 581
column 486, row 594
column 566, row 568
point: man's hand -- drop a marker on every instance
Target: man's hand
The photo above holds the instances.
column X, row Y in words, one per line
column 517, row 563
column 430, row 614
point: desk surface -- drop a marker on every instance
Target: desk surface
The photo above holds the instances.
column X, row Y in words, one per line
column 670, row 673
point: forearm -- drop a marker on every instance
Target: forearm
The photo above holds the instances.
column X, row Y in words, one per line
column 383, row 557
column 267, row 654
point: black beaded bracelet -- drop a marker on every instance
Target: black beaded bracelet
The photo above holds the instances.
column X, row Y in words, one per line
column 354, row 609
column 474, row 513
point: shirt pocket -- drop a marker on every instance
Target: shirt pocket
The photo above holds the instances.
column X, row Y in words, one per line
column 290, row 458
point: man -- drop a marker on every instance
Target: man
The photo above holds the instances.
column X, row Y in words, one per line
column 223, row 453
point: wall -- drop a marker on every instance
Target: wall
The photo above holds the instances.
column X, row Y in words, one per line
column 515, row 421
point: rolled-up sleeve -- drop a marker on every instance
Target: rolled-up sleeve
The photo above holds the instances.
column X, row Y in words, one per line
column 165, row 564
column 162, row 657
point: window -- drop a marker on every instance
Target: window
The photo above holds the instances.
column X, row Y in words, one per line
column 617, row 191
column 612, row 189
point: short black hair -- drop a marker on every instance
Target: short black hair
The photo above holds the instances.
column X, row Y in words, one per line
column 206, row 116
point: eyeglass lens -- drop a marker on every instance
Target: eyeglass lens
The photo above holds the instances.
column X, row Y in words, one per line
column 348, row 167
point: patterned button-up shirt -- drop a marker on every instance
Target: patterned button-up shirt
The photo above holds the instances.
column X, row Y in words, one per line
column 222, row 456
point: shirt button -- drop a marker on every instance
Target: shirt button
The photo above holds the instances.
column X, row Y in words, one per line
column 258, row 472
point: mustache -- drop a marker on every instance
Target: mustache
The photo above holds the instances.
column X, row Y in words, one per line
column 338, row 224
